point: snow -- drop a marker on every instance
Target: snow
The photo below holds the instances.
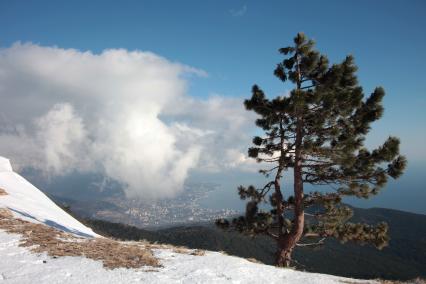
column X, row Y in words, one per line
column 5, row 165
column 19, row 265
column 28, row 203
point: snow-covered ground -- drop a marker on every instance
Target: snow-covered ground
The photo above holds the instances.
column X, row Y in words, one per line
column 28, row 203
column 19, row 265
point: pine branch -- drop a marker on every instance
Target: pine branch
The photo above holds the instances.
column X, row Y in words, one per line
column 318, row 130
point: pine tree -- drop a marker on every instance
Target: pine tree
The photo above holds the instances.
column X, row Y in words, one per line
column 318, row 133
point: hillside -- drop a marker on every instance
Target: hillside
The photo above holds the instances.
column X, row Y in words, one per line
column 39, row 242
column 406, row 250
column 403, row 259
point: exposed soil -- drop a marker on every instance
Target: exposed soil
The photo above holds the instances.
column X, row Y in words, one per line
column 2, row 191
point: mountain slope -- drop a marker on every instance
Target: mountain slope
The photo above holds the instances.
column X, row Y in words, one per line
column 69, row 252
column 28, row 203
column 404, row 259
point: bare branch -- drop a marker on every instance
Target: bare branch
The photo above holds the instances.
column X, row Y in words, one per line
column 320, row 242
column 271, row 235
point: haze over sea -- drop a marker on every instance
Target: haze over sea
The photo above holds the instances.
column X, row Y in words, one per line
column 150, row 94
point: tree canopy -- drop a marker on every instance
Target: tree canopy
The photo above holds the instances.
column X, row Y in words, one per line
column 318, row 132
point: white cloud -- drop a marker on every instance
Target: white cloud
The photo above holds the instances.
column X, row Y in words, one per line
column 124, row 114
column 223, row 126
column 239, row 12
column 63, row 138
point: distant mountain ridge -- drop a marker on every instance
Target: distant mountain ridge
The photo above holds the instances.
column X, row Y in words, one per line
column 403, row 259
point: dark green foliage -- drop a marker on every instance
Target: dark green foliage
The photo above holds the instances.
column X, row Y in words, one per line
column 318, row 132
column 403, row 259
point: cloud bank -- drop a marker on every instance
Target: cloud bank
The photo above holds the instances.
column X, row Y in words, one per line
column 123, row 114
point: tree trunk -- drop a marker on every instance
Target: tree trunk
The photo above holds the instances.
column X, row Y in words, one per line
column 287, row 242
column 283, row 255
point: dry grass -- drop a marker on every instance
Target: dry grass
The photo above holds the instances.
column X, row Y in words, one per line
column 41, row 238
column 253, row 260
column 184, row 250
column 175, row 249
column 5, row 213
column 198, row 252
column 181, row 250
column 2, row 191
column 414, row 281
column 355, row 282
column 381, row 281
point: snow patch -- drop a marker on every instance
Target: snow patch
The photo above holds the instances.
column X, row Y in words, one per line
column 5, row 165
column 28, row 203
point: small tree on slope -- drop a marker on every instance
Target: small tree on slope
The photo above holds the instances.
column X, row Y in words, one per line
column 318, row 131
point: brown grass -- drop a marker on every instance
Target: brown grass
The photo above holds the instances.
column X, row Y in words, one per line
column 414, row 281
column 41, row 238
column 356, row 282
column 381, row 281
column 198, row 252
column 175, row 249
column 2, row 191
column 5, row 213
column 184, row 250
column 251, row 259
column 181, row 250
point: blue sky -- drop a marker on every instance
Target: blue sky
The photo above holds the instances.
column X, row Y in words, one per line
column 236, row 43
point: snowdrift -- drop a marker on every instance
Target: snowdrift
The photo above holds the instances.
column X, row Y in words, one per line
column 28, row 203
